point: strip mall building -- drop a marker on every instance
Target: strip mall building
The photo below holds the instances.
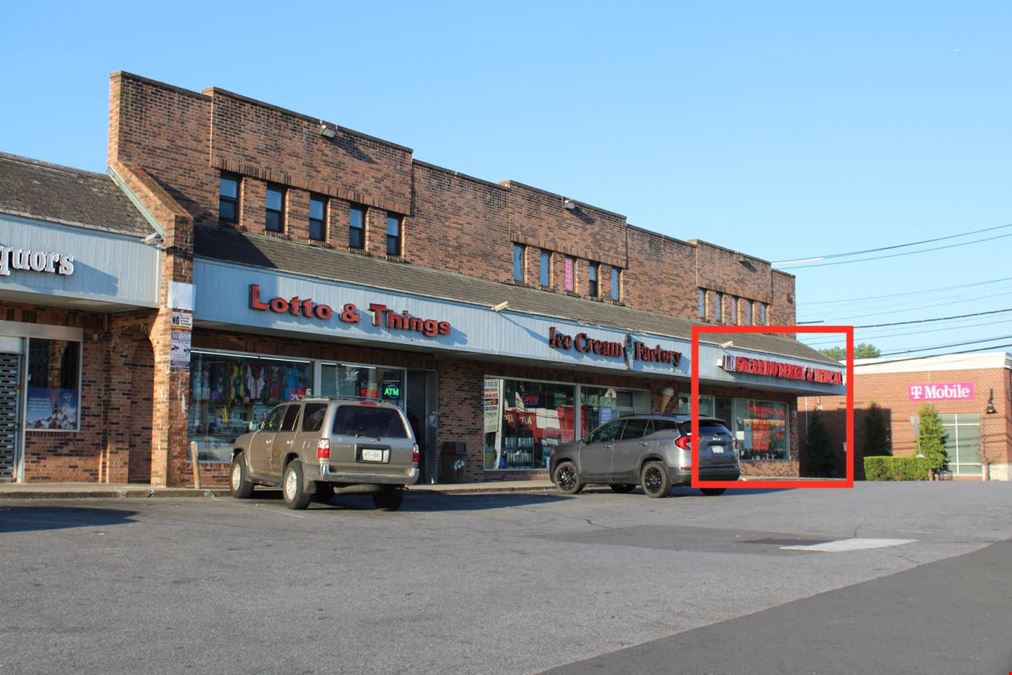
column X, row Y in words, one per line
column 238, row 255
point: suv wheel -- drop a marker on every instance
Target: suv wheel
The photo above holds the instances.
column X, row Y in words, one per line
column 567, row 479
column 713, row 492
column 654, row 479
column 621, row 488
column 388, row 500
column 239, row 483
column 292, row 487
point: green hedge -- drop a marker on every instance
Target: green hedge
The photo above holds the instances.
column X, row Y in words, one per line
column 896, row 468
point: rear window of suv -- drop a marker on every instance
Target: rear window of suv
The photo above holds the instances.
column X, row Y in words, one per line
column 352, row 420
column 707, row 427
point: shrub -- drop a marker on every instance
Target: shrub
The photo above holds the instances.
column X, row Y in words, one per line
column 876, row 435
column 896, row 468
column 931, row 439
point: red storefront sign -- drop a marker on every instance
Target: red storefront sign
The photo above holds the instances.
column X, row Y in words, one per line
column 382, row 316
column 780, row 369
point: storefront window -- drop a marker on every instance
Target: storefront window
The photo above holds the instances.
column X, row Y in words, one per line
column 228, row 391
column 962, row 443
column 705, row 405
column 760, row 428
column 54, row 385
column 601, row 404
column 534, row 418
column 350, row 381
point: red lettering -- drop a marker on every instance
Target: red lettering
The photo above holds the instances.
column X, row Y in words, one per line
column 254, row 298
column 279, row 305
column 296, row 306
column 324, row 312
column 445, row 328
column 350, row 314
column 377, row 313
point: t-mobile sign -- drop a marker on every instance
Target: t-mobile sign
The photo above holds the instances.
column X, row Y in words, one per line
column 949, row 391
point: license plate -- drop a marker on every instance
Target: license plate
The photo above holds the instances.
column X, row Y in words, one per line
column 372, row 455
column 717, row 449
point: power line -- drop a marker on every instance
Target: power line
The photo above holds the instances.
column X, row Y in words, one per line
column 917, row 358
column 910, row 308
column 898, row 295
column 897, row 255
column 940, row 318
column 879, row 336
column 953, row 344
column 889, row 248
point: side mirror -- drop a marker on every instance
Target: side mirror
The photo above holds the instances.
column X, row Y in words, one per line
column 253, row 426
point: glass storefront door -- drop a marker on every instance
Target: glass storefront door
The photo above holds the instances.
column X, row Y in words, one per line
column 962, row 443
column 340, row 380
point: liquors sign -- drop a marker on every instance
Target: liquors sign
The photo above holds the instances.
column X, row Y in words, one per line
column 52, row 262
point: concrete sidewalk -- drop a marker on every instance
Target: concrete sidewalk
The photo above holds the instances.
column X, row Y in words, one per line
column 124, row 491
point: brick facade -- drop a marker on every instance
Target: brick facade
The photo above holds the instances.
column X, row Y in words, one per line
column 890, row 390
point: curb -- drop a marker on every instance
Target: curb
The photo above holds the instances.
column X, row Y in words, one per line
column 113, row 494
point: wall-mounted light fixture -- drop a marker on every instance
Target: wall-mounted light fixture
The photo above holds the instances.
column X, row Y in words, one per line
column 726, row 345
column 500, row 307
column 153, row 239
column 990, row 409
column 568, row 204
column 327, row 130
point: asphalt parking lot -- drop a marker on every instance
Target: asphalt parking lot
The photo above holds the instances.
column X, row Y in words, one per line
column 751, row 581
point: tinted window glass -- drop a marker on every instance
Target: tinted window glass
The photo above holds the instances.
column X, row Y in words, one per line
column 665, row 425
column 609, row 432
column 636, row 428
column 291, row 417
column 393, row 235
column 275, row 221
column 317, row 217
column 706, row 427
column 273, row 421
column 543, row 276
column 228, row 198
column 356, row 225
column 354, row 420
column 518, row 262
column 312, row 417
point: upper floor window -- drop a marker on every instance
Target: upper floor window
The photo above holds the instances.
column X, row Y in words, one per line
column 592, row 279
column 734, row 311
column 762, row 314
column 545, row 269
column 718, row 307
column 746, row 313
column 356, row 227
column 275, row 221
column 616, row 281
column 518, row 262
column 570, row 274
column 702, row 304
column 393, row 235
column 317, row 218
column 228, row 198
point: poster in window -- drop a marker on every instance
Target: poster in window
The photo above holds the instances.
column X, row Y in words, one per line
column 51, row 409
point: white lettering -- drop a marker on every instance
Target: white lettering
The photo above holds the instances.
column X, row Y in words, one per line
column 5, row 268
column 35, row 261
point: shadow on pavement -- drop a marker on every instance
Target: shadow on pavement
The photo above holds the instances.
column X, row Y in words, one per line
column 36, row 518
column 427, row 501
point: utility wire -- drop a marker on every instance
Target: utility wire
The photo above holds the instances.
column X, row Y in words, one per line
column 897, row 255
column 890, row 248
column 898, row 295
column 953, row 344
column 878, row 336
column 918, row 358
column 910, row 308
column 940, row 318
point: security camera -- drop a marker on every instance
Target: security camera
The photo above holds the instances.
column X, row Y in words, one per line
column 500, row 307
column 152, row 239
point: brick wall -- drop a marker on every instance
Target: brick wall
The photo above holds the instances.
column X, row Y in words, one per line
column 890, row 390
column 184, row 139
column 114, row 402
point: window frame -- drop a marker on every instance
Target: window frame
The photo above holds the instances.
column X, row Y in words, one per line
column 747, row 313
column 718, row 306
column 397, row 239
column 325, row 202
column 25, row 381
column 569, row 274
column 235, row 201
column 593, row 270
column 519, row 262
column 545, row 269
column 734, row 310
column 702, row 304
column 283, row 191
column 354, row 229
column 616, row 284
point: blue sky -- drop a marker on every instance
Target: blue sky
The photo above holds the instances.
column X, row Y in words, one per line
column 784, row 130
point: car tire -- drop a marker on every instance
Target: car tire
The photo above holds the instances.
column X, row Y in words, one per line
column 239, row 483
column 324, row 492
column 713, row 492
column 654, row 480
column 567, row 479
column 388, row 500
column 622, row 488
column 293, row 488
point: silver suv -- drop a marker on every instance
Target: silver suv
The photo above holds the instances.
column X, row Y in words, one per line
column 310, row 447
column 653, row 451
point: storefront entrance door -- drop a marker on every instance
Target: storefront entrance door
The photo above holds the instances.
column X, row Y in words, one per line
column 10, row 414
column 421, row 411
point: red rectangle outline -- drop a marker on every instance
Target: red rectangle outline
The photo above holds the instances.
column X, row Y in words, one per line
column 848, row 482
